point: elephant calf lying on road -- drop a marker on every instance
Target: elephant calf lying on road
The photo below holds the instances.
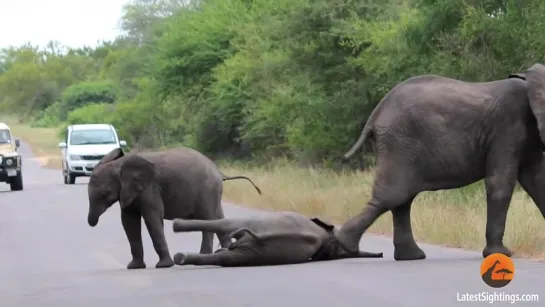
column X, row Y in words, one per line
column 271, row 239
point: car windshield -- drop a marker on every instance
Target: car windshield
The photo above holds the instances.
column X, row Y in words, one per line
column 5, row 136
column 89, row 137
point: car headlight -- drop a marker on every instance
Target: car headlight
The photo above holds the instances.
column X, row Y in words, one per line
column 75, row 157
column 9, row 162
column 1, row 159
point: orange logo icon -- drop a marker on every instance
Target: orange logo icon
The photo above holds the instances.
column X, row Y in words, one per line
column 497, row 270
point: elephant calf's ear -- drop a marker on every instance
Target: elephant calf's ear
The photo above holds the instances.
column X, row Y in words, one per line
column 519, row 75
column 323, row 224
column 112, row 155
column 135, row 175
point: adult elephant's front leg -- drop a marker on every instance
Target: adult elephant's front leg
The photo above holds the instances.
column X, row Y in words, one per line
column 225, row 258
column 132, row 225
column 154, row 223
column 500, row 185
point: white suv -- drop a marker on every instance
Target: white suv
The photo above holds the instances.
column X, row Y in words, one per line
column 83, row 148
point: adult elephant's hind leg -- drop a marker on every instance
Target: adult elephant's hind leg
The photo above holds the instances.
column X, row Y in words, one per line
column 390, row 190
column 405, row 247
column 500, row 183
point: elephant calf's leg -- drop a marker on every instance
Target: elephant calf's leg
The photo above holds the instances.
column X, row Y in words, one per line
column 132, row 225
column 227, row 258
column 155, row 227
column 405, row 247
column 207, row 243
column 220, row 226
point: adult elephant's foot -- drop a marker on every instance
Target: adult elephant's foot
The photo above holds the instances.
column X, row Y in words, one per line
column 489, row 250
column 164, row 263
column 347, row 242
column 179, row 258
column 408, row 252
column 136, row 264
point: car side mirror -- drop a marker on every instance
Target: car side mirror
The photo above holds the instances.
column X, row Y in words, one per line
column 62, row 145
column 17, row 143
column 122, row 143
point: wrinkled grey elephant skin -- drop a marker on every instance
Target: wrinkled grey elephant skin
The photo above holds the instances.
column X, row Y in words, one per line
column 434, row 133
column 169, row 184
column 271, row 239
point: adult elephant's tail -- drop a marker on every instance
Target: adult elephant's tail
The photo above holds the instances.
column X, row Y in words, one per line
column 365, row 134
column 225, row 178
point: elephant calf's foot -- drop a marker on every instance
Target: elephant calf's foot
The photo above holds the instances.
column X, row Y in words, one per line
column 179, row 258
column 489, row 250
column 408, row 252
column 136, row 264
column 164, row 263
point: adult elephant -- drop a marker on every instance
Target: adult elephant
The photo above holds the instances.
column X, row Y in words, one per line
column 174, row 183
column 273, row 238
column 432, row 133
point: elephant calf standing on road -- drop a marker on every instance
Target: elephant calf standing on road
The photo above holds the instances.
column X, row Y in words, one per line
column 433, row 133
column 174, row 183
column 270, row 239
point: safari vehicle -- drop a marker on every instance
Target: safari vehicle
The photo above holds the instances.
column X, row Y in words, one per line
column 10, row 160
column 83, row 148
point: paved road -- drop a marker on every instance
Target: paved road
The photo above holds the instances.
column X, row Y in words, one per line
column 49, row 256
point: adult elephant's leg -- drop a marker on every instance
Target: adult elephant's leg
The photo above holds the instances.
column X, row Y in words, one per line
column 153, row 217
column 500, row 180
column 390, row 190
column 405, row 247
column 132, row 224
column 531, row 177
column 228, row 258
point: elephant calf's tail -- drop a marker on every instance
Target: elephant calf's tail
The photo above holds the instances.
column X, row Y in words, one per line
column 225, row 178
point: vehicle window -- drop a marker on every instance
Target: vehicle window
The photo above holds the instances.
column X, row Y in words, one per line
column 5, row 136
column 89, row 137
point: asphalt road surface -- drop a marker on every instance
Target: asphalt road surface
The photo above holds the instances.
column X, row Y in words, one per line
column 49, row 256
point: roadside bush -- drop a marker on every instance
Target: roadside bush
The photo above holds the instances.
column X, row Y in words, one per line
column 84, row 93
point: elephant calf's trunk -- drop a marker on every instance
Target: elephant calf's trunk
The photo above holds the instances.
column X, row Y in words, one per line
column 92, row 217
column 93, row 221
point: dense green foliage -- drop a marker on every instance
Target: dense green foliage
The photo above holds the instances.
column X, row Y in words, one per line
column 264, row 78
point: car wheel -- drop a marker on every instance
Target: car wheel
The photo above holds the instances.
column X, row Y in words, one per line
column 69, row 178
column 16, row 183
